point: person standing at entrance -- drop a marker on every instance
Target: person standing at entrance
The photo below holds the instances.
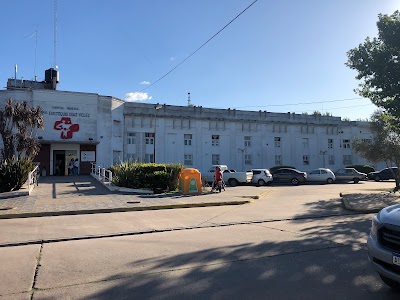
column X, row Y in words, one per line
column 76, row 167
column 71, row 167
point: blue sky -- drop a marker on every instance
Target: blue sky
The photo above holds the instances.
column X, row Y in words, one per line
column 277, row 56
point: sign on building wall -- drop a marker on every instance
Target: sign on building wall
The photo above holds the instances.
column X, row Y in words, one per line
column 88, row 156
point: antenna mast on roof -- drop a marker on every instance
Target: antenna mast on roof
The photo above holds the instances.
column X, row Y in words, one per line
column 55, row 35
column 189, row 102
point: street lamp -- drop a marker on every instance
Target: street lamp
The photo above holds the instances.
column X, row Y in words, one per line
column 156, row 107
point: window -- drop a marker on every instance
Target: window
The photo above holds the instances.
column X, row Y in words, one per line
column 149, row 138
column 131, row 156
column 330, row 143
column 247, row 159
column 215, row 141
column 346, row 144
column 131, row 138
column 149, row 158
column 306, row 160
column 117, row 128
column 116, row 157
column 331, row 159
column 247, row 141
column 315, row 172
column 347, row 160
column 278, row 160
column 188, row 160
column 277, row 142
column 367, row 141
column 187, row 140
column 305, row 143
column 215, row 159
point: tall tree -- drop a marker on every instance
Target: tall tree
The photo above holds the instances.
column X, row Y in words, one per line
column 377, row 62
column 19, row 123
column 385, row 145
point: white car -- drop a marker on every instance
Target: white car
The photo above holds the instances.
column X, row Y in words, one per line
column 321, row 175
column 261, row 176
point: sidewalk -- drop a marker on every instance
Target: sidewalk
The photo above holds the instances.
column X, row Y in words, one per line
column 67, row 195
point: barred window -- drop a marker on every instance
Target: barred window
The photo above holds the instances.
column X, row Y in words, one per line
column 305, row 143
column 131, row 138
column 278, row 160
column 347, row 160
column 149, row 138
column 248, row 159
column 215, row 159
column 346, row 144
column 331, row 159
column 306, row 160
column 330, row 143
column 149, row 158
column 188, row 159
column 277, row 142
column 215, row 140
column 247, row 141
column 187, row 140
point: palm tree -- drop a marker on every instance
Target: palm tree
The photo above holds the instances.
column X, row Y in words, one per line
column 19, row 123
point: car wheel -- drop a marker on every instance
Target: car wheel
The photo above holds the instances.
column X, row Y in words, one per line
column 356, row 180
column 329, row 180
column 261, row 182
column 294, row 181
column 393, row 284
column 377, row 178
column 233, row 182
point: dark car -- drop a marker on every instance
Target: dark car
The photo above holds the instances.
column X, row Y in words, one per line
column 384, row 174
column 289, row 175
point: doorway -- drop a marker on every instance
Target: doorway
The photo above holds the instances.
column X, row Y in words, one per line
column 59, row 162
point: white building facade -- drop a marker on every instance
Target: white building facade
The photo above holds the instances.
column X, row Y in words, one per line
column 107, row 130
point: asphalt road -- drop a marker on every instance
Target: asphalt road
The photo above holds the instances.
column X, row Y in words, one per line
column 297, row 243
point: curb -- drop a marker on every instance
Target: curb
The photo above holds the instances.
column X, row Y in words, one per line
column 346, row 205
column 119, row 209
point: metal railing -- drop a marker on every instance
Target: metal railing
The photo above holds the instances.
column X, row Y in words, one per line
column 33, row 178
column 102, row 174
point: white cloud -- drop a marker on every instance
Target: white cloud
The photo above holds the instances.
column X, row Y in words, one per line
column 145, row 82
column 137, row 96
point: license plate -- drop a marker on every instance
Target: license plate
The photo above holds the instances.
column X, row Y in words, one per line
column 396, row 259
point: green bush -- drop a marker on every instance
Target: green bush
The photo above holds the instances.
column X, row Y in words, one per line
column 14, row 173
column 273, row 169
column 158, row 177
column 362, row 168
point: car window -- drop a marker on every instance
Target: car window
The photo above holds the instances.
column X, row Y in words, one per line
column 256, row 172
column 314, row 172
column 349, row 171
column 324, row 172
column 278, row 172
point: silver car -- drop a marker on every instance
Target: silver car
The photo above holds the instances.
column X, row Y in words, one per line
column 384, row 245
column 350, row 174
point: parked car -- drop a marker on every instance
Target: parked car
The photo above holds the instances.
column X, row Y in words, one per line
column 321, row 175
column 384, row 174
column 384, row 245
column 350, row 174
column 289, row 175
column 261, row 176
